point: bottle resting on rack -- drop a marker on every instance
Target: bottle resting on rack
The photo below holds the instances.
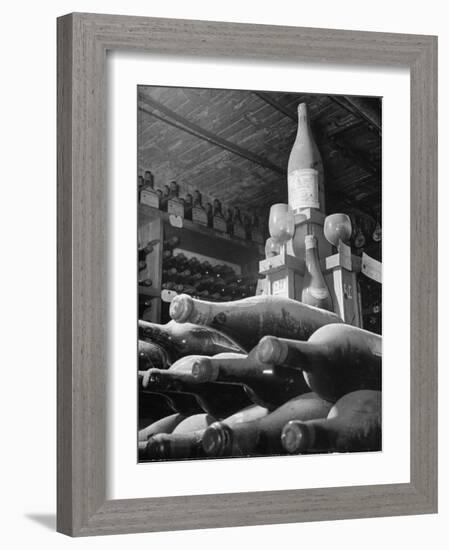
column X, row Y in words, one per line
column 182, row 403
column 354, row 424
column 263, row 435
column 189, row 445
column 267, row 385
column 185, row 440
column 337, row 359
column 218, row 400
column 305, row 168
column 164, row 425
column 315, row 291
column 249, row 319
column 152, row 355
column 180, row 339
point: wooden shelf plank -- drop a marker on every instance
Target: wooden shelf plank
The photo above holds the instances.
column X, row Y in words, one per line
column 147, row 213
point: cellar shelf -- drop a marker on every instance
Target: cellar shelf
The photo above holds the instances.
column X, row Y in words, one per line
column 148, row 213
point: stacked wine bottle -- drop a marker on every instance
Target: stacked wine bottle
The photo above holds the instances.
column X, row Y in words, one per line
column 257, row 376
column 201, row 279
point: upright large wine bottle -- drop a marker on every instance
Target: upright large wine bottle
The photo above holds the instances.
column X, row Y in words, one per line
column 267, row 385
column 305, row 168
column 315, row 291
column 188, row 445
column 337, row 359
column 249, row 319
column 354, row 424
column 263, row 435
column 218, row 400
column 179, row 339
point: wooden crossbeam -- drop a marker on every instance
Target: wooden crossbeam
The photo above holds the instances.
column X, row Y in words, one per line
column 268, row 98
column 149, row 106
column 359, row 109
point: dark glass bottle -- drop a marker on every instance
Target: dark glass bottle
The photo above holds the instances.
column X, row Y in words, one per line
column 152, row 355
column 184, row 339
column 218, row 400
column 189, row 444
column 267, row 385
column 337, row 359
column 263, row 435
column 354, row 424
column 249, row 319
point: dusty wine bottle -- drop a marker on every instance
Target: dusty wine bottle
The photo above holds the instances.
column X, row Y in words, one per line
column 262, row 436
column 183, row 442
column 267, row 385
column 151, row 355
column 337, row 359
column 173, row 446
column 218, row 400
column 163, row 425
column 182, row 403
column 249, row 319
column 354, row 424
column 180, row 339
column 315, row 291
column 188, row 445
column 305, row 168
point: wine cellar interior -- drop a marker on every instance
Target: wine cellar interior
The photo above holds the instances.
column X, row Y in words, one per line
column 220, row 221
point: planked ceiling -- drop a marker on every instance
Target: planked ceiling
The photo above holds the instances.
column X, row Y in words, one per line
column 234, row 145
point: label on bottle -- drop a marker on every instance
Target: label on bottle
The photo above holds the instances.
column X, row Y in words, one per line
column 175, row 207
column 199, row 216
column 345, row 256
column 239, row 231
column 175, row 221
column 149, row 197
column 219, row 224
column 303, row 189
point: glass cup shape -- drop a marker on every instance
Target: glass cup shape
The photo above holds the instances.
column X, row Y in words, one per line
column 337, row 227
column 281, row 223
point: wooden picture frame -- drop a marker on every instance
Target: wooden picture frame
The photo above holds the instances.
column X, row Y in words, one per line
column 83, row 40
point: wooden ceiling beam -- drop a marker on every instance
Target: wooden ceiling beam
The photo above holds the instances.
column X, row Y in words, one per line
column 277, row 105
column 149, row 106
column 360, row 109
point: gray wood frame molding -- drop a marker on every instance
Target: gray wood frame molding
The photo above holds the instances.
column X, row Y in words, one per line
column 83, row 40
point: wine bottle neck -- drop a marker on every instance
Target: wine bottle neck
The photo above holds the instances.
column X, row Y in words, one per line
column 291, row 353
column 304, row 437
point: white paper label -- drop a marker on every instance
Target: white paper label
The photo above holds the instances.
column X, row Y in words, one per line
column 219, row 224
column 345, row 256
column 303, row 189
column 175, row 221
column 199, row 216
column 149, row 197
column 371, row 268
column 176, row 208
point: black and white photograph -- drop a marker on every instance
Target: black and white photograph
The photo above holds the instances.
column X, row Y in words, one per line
column 259, row 273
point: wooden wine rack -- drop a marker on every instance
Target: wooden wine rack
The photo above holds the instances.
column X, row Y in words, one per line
column 194, row 239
